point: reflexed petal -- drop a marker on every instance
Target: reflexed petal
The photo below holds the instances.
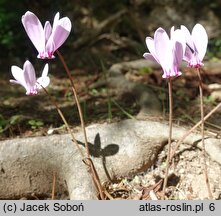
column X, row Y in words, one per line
column 45, row 71
column 188, row 54
column 178, row 35
column 163, row 47
column 29, row 74
column 188, row 36
column 44, row 80
column 178, row 53
column 47, row 30
column 150, row 45
column 200, row 39
column 149, row 56
column 56, row 19
column 179, row 46
column 18, row 74
column 65, row 23
column 34, row 29
column 61, row 32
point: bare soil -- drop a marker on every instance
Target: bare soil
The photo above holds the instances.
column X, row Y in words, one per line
column 186, row 179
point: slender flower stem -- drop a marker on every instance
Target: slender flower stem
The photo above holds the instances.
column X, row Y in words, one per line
column 76, row 99
column 202, row 132
column 65, row 122
column 170, row 136
column 88, row 161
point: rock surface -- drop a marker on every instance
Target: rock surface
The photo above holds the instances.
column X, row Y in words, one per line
column 140, row 93
column 118, row 149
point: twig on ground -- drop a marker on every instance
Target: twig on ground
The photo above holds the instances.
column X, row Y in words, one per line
column 192, row 129
column 153, row 195
column 53, row 186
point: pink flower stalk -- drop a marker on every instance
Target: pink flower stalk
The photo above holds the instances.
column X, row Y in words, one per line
column 196, row 45
column 168, row 52
column 27, row 78
column 48, row 39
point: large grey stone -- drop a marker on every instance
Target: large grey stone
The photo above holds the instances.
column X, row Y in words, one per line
column 118, row 149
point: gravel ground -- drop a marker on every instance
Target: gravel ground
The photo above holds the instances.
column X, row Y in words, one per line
column 186, row 178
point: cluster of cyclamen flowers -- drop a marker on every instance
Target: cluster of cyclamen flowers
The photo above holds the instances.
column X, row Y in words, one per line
column 46, row 40
column 166, row 51
column 169, row 52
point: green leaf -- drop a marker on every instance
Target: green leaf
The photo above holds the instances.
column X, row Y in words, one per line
column 145, row 70
column 35, row 123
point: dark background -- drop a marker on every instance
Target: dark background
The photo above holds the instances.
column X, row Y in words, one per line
column 104, row 32
column 117, row 40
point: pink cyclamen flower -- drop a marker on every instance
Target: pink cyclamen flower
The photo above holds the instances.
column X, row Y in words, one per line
column 196, row 45
column 48, row 39
column 168, row 52
column 27, row 78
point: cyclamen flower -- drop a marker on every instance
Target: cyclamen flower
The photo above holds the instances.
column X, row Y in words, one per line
column 168, row 52
column 48, row 39
column 196, row 45
column 27, row 78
